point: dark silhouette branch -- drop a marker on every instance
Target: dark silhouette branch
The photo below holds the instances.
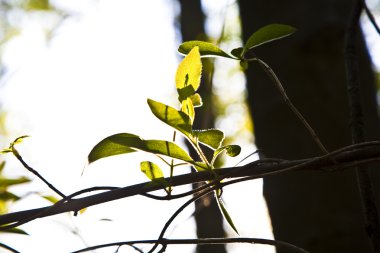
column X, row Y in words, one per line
column 347, row 157
column 21, row 160
column 164, row 242
column 10, row 249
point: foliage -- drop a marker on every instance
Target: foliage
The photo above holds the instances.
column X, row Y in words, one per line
column 187, row 78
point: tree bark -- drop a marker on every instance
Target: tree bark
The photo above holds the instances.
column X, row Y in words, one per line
column 208, row 219
column 318, row 211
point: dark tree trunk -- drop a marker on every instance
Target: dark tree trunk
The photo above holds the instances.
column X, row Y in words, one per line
column 209, row 221
column 319, row 211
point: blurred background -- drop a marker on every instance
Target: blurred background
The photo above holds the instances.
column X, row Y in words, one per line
column 75, row 72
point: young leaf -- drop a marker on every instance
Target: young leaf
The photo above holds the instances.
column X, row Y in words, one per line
column 206, row 49
column 188, row 75
column 176, row 119
column 231, row 150
column 188, row 108
column 196, row 99
column 267, row 34
column 113, row 145
column 226, row 215
column 213, row 138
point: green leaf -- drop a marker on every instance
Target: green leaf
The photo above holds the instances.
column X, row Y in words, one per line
column 267, row 34
column 6, row 196
column 2, row 165
column 38, row 5
column 124, row 143
column 213, row 138
column 15, row 231
column 206, row 49
column 51, row 199
column 200, row 166
column 188, row 74
column 151, row 170
column 166, row 148
column 196, row 99
column 237, row 52
column 231, row 150
column 176, row 119
column 113, row 145
column 226, row 215
column 5, row 182
column 188, row 108
column 5, row 150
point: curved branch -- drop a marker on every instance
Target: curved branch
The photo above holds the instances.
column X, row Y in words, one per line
column 166, row 242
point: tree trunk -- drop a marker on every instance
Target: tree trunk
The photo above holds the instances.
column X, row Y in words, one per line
column 319, row 211
column 208, row 219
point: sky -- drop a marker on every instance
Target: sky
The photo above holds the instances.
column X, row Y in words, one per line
column 92, row 80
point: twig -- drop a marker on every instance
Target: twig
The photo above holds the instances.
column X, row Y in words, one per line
column 269, row 71
column 165, row 241
column 371, row 17
column 4, row 246
column 19, row 157
column 366, row 191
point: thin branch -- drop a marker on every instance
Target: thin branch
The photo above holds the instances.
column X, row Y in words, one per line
column 368, row 152
column 19, row 157
column 366, row 190
column 269, row 71
column 371, row 17
column 4, row 246
column 199, row 241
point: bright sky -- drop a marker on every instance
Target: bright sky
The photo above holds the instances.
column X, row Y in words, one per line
column 90, row 81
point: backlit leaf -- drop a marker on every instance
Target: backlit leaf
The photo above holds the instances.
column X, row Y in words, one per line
column 176, row 119
column 267, row 34
column 15, row 231
column 125, row 143
column 188, row 108
column 151, row 170
column 188, row 75
column 231, row 150
column 51, row 199
column 226, row 215
column 210, row 137
column 5, row 182
column 206, row 49
column 197, row 100
column 166, row 148
column 113, row 145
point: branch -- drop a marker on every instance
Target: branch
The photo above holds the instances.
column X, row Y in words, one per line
column 164, row 242
column 347, row 157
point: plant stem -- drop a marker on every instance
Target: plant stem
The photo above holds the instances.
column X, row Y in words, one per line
column 269, row 71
